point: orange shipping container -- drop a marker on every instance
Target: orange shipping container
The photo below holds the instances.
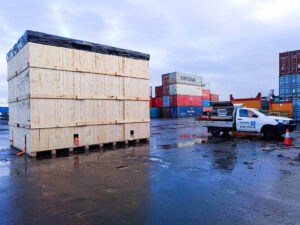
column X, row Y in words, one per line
column 207, row 109
column 248, row 102
column 281, row 106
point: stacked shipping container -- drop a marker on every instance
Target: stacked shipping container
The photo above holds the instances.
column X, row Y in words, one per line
column 181, row 95
column 289, row 79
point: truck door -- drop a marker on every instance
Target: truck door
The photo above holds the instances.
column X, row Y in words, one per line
column 246, row 120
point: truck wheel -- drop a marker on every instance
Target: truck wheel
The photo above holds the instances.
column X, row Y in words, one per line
column 270, row 132
column 215, row 131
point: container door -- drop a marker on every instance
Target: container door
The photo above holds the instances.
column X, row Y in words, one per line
column 247, row 121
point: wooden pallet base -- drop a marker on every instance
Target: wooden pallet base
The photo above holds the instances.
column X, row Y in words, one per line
column 101, row 147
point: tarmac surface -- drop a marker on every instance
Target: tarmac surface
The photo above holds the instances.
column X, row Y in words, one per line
column 182, row 176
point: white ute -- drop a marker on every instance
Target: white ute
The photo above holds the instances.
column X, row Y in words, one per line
column 226, row 117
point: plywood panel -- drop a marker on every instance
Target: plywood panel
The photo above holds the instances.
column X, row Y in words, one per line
column 19, row 134
column 19, row 62
column 52, row 57
column 57, row 83
column 57, row 138
column 19, row 112
column 18, row 86
column 141, row 130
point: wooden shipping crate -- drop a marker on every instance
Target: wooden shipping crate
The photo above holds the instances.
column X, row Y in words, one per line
column 58, row 91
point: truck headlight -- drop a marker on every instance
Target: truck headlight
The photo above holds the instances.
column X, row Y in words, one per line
column 282, row 121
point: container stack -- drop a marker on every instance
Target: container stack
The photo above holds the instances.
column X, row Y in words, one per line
column 181, row 95
column 289, row 79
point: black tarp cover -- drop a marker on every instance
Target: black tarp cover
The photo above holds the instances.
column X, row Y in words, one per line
column 48, row 39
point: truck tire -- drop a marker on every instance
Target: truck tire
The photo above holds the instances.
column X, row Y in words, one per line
column 215, row 131
column 270, row 132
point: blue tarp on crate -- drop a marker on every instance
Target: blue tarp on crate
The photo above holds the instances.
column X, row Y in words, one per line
column 185, row 111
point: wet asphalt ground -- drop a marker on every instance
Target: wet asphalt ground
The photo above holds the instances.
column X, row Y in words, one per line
column 181, row 177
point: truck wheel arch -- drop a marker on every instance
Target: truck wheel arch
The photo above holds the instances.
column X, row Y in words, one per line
column 267, row 126
column 269, row 131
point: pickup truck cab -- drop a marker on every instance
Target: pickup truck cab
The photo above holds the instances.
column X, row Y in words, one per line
column 226, row 117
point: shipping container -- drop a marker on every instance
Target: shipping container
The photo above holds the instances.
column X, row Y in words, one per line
column 184, row 78
column 166, row 112
column 289, row 86
column 154, row 112
column 289, row 62
column 265, row 104
column 150, row 102
column 166, row 101
column 206, row 94
column 166, row 90
column 159, row 91
column 206, row 103
column 207, row 109
column 184, row 89
column 282, row 106
column 248, row 102
column 165, row 79
column 185, row 100
column 185, row 111
column 157, row 102
column 214, row 97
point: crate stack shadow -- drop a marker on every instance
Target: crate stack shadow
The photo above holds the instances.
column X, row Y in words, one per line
column 66, row 93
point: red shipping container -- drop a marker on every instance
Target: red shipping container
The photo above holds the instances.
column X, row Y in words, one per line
column 165, row 80
column 166, row 90
column 166, row 112
column 150, row 102
column 289, row 62
column 159, row 91
column 157, row 102
column 206, row 94
column 214, row 97
column 185, row 100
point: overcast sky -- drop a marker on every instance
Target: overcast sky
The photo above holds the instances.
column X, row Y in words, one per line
column 234, row 44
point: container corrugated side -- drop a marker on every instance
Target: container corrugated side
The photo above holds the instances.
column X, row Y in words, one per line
column 153, row 112
column 184, row 78
column 157, row 102
column 166, row 101
column 159, row 91
column 184, row 89
column 166, row 112
column 206, row 94
column 214, row 97
column 165, row 79
column 185, row 111
column 166, row 90
column 185, row 100
column 206, row 103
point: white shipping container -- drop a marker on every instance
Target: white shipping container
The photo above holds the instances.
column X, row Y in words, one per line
column 185, row 89
column 184, row 78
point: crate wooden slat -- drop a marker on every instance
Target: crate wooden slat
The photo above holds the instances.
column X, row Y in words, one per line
column 58, row 92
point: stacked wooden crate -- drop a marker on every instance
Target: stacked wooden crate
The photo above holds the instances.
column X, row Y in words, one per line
column 60, row 89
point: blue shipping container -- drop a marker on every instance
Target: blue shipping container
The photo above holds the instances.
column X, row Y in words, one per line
column 166, row 101
column 185, row 111
column 206, row 103
column 154, row 112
